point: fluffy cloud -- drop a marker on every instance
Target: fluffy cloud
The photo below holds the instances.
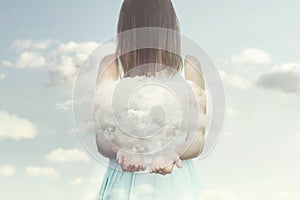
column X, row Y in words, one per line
column 7, row 170
column 71, row 56
column 216, row 195
column 16, row 128
column 30, row 44
column 30, row 60
column 63, row 71
column 73, row 47
column 62, row 60
column 7, row 63
column 2, row 76
column 251, row 56
column 42, row 171
column 235, row 80
column 27, row 59
column 63, row 105
column 67, row 156
column 285, row 78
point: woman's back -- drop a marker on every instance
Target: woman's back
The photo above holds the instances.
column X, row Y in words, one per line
column 149, row 44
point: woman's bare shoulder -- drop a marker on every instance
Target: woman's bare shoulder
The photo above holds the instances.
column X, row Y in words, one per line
column 108, row 67
column 193, row 70
column 109, row 60
column 192, row 62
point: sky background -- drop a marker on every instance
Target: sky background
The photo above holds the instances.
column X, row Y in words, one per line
column 254, row 44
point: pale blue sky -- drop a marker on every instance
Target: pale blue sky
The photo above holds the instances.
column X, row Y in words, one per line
column 258, row 155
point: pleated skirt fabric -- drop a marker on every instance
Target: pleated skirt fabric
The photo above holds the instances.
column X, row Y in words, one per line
column 182, row 184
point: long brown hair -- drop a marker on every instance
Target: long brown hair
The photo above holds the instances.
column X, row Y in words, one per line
column 137, row 14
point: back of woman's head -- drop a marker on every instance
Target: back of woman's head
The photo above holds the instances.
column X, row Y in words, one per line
column 137, row 14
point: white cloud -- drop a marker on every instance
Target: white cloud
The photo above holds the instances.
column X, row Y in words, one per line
column 64, row 105
column 67, row 156
column 27, row 59
column 235, row 80
column 251, row 56
column 42, row 171
column 30, row 44
column 76, row 181
column 62, row 60
column 216, row 195
column 7, row 170
column 64, row 71
column 2, row 76
column 30, row 60
column 73, row 47
column 7, row 63
column 71, row 56
column 285, row 78
column 16, row 128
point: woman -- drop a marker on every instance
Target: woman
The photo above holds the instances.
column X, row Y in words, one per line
column 180, row 182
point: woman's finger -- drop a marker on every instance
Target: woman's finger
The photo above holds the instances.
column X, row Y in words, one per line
column 135, row 167
column 126, row 166
column 131, row 167
column 119, row 158
column 156, row 169
column 168, row 169
column 143, row 167
column 161, row 170
column 179, row 163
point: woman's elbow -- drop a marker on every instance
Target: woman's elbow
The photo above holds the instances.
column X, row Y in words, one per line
column 200, row 141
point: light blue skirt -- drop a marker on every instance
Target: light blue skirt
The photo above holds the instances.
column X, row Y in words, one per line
column 182, row 184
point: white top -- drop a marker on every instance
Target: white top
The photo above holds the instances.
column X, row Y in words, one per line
column 121, row 71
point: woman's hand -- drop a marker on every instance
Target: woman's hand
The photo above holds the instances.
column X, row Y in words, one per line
column 130, row 162
column 163, row 162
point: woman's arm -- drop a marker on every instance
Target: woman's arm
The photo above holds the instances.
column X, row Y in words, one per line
column 105, row 148
column 192, row 73
column 108, row 71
